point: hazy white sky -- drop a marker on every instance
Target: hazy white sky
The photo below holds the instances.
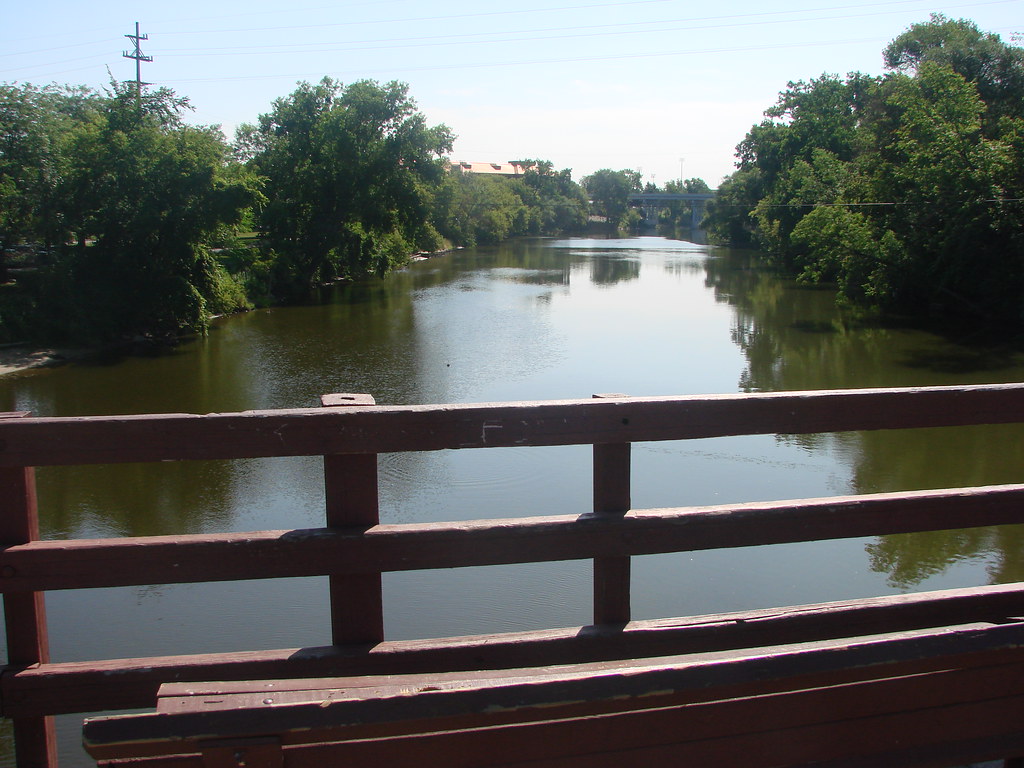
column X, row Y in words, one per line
column 667, row 87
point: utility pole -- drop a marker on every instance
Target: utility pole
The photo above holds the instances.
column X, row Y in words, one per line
column 139, row 58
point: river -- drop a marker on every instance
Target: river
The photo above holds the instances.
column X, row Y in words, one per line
column 528, row 320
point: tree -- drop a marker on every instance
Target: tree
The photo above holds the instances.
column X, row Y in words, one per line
column 609, row 192
column 963, row 243
column 562, row 202
column 728, row 219
column 349, row 176
column 24, row 160
column 33, row 122
column 941, row 239
column 472, row 208
column 492, row 206
column 779, row 158
column 149, row 194
column 822, row 179
column 903, row 190
column 995, row 68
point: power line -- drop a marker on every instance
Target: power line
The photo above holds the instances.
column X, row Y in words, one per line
column 94, row 56
column 871, row 205
column 576, row 32
column 742, row 19
column 529, row 62
column 466, row 16
column 450, row 17
column 50, row 49
column 537, row 33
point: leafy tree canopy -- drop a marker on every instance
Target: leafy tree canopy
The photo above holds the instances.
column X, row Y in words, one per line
column 142, row 194
column 348, row 175
column 981, row 58
column 905, row 189
column 609, row 192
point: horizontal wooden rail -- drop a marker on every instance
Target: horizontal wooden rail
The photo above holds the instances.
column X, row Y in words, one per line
column 354, row 550
column 386, row 429
column 638, row 679
column 76, row 564
column 938, row 717
column 89, row 686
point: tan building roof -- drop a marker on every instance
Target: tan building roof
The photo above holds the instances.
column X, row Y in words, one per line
column 495, row 169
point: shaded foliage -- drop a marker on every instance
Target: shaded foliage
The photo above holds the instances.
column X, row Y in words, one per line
column 130, row 199
column 348, row 174
column 903, row 189
column 34, row 124
column 487, row 209
column 609, row 194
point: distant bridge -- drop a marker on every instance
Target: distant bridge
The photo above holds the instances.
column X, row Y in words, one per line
column 652, row 201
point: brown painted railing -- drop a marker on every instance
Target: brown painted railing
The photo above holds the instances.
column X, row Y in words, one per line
column 353, row 549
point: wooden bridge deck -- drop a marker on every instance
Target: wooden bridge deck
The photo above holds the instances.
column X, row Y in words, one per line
column 924, row 679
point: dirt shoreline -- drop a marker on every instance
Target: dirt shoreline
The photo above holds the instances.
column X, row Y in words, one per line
column 15, row 359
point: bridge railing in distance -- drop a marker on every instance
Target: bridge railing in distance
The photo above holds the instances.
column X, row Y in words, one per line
column 353, row 549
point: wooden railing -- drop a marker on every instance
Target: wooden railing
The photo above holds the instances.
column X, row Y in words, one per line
column 353, row 548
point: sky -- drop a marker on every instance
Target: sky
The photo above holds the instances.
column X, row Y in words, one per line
column 664, row 87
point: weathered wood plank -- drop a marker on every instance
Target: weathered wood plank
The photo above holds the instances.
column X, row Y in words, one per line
column 514, row 746
column 71, row 564
column 878, row 656
column 933, row 736
column 130, row 683
column 934, row 681
column 382, row 429
column 839, row 712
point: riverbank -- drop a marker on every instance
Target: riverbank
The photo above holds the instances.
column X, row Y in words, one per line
column 15, row 359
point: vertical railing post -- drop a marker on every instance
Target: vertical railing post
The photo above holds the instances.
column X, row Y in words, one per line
column 611, row 497
column 350, row 484
column 35, row 741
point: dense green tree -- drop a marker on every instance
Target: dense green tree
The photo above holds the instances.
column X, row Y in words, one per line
column 562, row 202
column 33, row 123
column 609, row 193
column 492, row 208
column 901, row 189
column 962, row 242
column 728, row 218
column 149, row 194
column 764, row 200
column 26, row 160
column 995, row 68
column 350, row 174
column 798, row 154
column 479, row 208
column 822, row 179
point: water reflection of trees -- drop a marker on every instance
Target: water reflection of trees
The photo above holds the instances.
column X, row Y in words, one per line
column 137, row 499
column 795, row 338
column 910, row 558
column 608, row 269
column 531, row 261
